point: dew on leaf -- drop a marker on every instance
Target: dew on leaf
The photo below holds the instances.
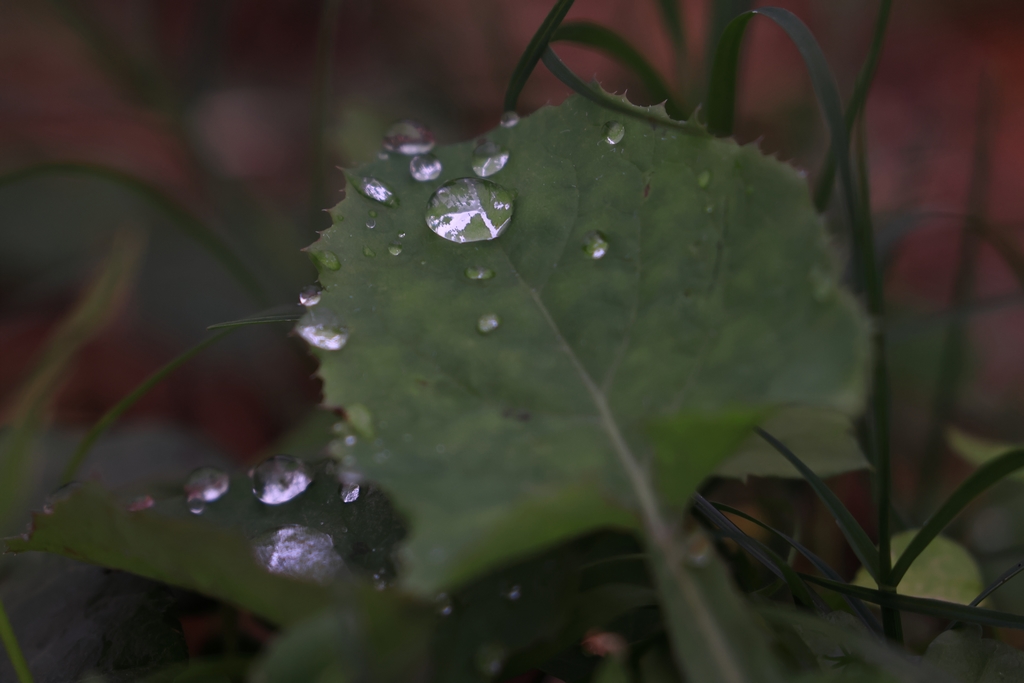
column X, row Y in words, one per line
column 469, row 210
column 351, row 440
column 375, row 189
column 140, row 503
column 698, row 550
column 479, row 273
column 614, row 132
column 509, row 119
column 310, row 296
column 488, row 323
column 425, row 167
column 513, row 593
column 322, row 329
column 280, row 478
column 704, row 179
column 206, row 484
column 299, row 552
column 444, row 604
column 327, row 259
column 196, row 506
column 490, row 658
column 395, row 248
column 349, row 492
column 595, row 244
column 60, row 495
column 409, row 138
column 489, row 158
column 371, row 224
column 369, row 252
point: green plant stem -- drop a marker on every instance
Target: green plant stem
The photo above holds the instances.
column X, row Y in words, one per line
column 13, row 648
column 534, row 51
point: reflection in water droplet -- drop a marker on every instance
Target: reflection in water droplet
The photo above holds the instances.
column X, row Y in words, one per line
column 595, row 244
column 469, row 210
column 299, row 552
column 509, row 119
column 425, row 167
column 140, row 503
column 206, row 484
column 490, row 658
column 196, row 506
column 408, row 137
column 322, row 329
column 60, row 495
column 310, row 296
column 698, row 550
column 371, row 224
column 489, row 158
column 279, row 479
column 349, row 492
column 479, row 273
column 704, row 179
column 614, row 132
column 369, row 252
column 395, row 248
column 514, row 593
column 327, row 259
column 488, row 323
column 444, row 604
column 376, row 190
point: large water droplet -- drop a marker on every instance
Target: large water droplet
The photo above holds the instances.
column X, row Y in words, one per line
column 698, row 550
column 60, row 495
column 280, row 479
column 206, row 484
column 479, row 273
column 469, row 210
column 327, row 259
column 395, row 248
column 595, row 244
column 310, row 296
column 349, row 492
column 408, row 137
column 488, row 323
column 509, row 119
column 322, row 329
column 614, row 132
column 489, row 158
column 490, row 658
column 376, row 190
column 425, row 167
column 299, row 552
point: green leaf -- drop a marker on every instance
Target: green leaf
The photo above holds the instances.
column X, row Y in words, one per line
column 944, row 570
column 967, row 657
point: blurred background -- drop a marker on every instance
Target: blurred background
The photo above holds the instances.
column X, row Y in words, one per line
column 197, row 143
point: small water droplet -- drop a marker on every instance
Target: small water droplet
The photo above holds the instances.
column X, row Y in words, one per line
column 509, row 119
column 395, row 248
column 349, row 492
column 595, row 244
column 322, row 329
column 710, row 208
column 488, row 323
column 279, row 479
column 327, row 259
column 704, row 179
column 383, row 156
column 310, row 296
column 614, row 132
column 60, row 495
column 351, row 440
column 489, row 158
column 490, row 658
column 401, row 235
column 371, row 224
column 196, row 506
column 469, row 210
column 206, row 484
column 444, row 604
column 514, row 593
column 425, row 167
column 140, row 503
column 698, row 550
column 409, row 138
column 479, row 273
column 374, row 189
column 369, row 252
column 299, row 552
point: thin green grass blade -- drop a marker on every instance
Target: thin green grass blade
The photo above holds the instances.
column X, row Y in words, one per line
column 534, row 51
column 855, row 535
column 1003, row 579
column 14, row 653
column 190, row 226
column 278, row 314
column 988, row 474
column 722, row 12
column 595, row 94
column 618, row 48
column 112, row 415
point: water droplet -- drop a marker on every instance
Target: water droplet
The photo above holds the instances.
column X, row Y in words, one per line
column 196, row 506
column 595, row 244
column 401, row 235
column 469, row 210
column 349, row 492
column 425, row 167
column 514, row 593
column 395, row 248
column 299, row 552
column 371, row 224
column 509, row 119
column 698, row 550
column 361, row 419
column 489, row 158
column 279, row 479
column 704, row 179
column 322, row 329
column 60, row 495
column 140, row 503
column 206, row 484
column 374, row 189
column 327, row 259
column 490, row 658
column 408, row 137
column 488, row 323
column 479, row 273
column 351, row 440
column 444, row 604
column 383, row 156
column 310, row 296
column 369, row 252
column 614, row 132
column 710, row 208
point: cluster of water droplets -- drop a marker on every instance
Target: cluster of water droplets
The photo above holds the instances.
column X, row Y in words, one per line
column 205, row 485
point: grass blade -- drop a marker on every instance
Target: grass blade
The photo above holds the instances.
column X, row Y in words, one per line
column 998, row 583
column 858, row 539
column 595, row 94
column 988, row 474
column 14, row 652
column 723, row 12
column 534, row 51
column 112, row 415
column 278, row 314
column 618, row 48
